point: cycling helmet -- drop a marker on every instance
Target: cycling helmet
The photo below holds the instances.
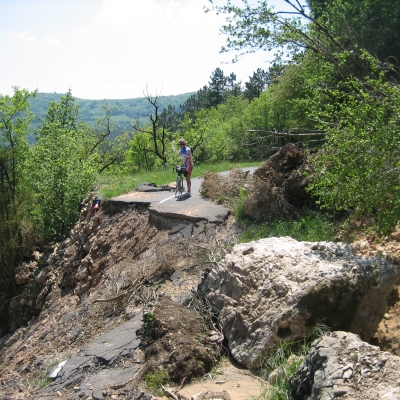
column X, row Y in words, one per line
column 181, row 141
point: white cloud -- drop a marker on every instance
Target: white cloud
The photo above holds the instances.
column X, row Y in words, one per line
column 25, row 36
column 169, row 46
column 53, row 41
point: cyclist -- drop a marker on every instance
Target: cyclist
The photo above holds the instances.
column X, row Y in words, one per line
column 187, row 161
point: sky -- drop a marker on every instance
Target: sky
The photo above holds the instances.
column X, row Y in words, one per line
column 115, row 49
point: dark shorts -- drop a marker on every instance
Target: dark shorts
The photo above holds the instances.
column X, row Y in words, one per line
column 185, row 172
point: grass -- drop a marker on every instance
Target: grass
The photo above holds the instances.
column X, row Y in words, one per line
column 154, row 381
column 283, row 361
column 39, row 381
column 115, row 184
column 310, row 226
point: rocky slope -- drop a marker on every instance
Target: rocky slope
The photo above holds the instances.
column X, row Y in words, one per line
column 128, row 296
column 112, row 269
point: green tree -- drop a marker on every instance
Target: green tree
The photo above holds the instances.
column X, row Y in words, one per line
column 342, row 77
column 139, row 155
column 373, row 25
column 15, row 232
column 195, row 132
column 169, row 118
column 233, row 87
column 359, row 167
column 217, row 87
column 106, row 151
column 196, row 102
column 256, row 84
column 328, row 33
column 62, row 168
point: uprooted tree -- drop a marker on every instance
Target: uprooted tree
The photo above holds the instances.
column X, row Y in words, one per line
column 348, row 88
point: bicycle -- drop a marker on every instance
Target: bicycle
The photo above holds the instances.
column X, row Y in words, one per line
column 180, row 169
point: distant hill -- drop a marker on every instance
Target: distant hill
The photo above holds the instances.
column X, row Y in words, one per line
column 90, row 110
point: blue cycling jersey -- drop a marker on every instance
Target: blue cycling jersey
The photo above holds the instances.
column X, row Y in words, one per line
column 185, row 153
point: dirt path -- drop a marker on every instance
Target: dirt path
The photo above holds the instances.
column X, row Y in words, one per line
column 239, row 383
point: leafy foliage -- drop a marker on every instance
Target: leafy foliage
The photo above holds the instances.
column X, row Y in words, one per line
column 333, row 81
column 62, row 168
column 124, row 111
column 14, row 196
column 359, row 167
column 283, row 361
column 156, row 380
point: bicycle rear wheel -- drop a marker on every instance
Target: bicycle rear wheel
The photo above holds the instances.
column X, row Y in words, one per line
column 179, row 187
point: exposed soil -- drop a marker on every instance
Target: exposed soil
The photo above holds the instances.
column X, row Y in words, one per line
column 179, row 341
column 239, row 383
column 134, row 263
column 125, row 250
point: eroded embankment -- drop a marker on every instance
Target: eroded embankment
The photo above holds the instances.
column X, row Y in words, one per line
column 108, row 271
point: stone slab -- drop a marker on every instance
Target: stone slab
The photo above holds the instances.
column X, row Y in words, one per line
column 106, row 378
column 103, row 351
column 116, row 343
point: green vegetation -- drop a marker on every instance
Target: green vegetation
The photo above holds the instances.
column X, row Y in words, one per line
column 15, row 225
column 115, row 184
column 335, row 74
column 125, row 111
column 156, row 380
column 61, row 168
column 149, row 318
column 41, row 381
column 310, row 226
column 282, row 361
column 341, row 80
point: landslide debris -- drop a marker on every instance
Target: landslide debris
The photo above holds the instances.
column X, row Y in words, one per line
column 278, row 289
column 179, row 341
column 339, row 364
column 279, row 186
column 100, row 278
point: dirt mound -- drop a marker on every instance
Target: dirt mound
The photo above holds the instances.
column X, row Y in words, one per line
column 223, row 189
column 178, row 342
column 279, row 185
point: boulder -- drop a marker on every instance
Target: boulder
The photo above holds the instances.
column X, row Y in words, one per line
column 22, row 307
column 279, row 289
column 341, row 365
column 21, row 279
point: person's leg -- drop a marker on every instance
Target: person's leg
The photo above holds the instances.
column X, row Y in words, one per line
column 188, row 181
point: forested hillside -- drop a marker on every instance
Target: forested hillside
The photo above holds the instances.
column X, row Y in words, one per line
column 125, row 111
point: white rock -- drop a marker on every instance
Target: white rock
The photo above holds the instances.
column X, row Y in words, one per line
column 262, row 298
column 54, row 372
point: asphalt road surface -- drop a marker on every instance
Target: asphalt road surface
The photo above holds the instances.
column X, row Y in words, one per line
column 165, row 203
